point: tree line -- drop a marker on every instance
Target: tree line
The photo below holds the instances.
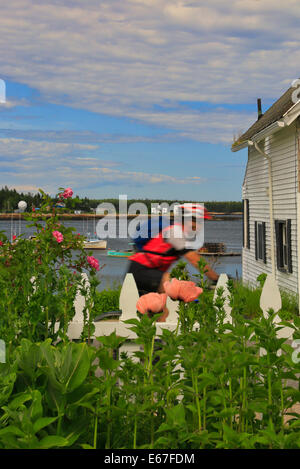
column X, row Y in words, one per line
column 9, row 199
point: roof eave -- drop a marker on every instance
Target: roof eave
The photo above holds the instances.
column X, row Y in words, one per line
column 271, row 129
column 239, row 146
column 291, row 115
column 287, row 119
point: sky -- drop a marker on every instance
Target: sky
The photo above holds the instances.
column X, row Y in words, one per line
column 138, row 97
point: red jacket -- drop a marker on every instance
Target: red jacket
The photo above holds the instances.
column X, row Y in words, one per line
column 157, row 253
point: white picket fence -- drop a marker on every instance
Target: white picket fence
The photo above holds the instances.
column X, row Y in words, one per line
column 270, row 299
column 128, row 298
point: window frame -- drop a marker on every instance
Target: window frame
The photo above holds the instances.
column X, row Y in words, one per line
column 260, row 241
column 283, row 245
column 246, row 224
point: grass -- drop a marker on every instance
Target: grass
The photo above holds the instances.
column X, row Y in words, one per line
column 247, row 298
column 107, row 300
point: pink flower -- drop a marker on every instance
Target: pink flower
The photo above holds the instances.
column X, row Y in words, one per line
column 93, row 262
column 67, row 193
column 14, row 237
column 58, row 236
column 182, row 290
column 1, row 243
column 151, row 303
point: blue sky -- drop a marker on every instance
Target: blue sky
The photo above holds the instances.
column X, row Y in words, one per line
column 138, row 97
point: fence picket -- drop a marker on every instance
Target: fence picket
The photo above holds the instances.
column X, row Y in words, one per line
column 271, row 299
column 128, row 298
column 79, row 302
column 222, row 282
column 172, row 307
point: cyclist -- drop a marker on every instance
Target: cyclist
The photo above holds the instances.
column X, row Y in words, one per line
column 150, row 265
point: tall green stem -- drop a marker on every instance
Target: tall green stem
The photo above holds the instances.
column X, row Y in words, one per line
column 195, row 386
column 95, row 428
column 47, row 320
column 230, row 398
column 150, row 380
column 108, row 436
column 135, row 431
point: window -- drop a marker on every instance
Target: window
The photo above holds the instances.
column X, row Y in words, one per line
column 246, row 225
column 283, row 245
column 260, row 241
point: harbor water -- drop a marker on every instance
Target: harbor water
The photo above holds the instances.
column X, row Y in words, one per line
column 114, row 269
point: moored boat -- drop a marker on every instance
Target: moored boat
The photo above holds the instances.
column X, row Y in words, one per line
column 95, row 243
column 114, row 253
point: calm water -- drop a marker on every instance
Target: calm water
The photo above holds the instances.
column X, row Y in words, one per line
column 228, row 232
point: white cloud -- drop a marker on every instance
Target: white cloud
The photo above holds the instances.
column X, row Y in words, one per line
column 125, row 57
column 28, row 163
column 19, row 147
column 12, row 103
column 25, row 188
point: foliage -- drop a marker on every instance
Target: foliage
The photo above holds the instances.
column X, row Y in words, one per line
column 106, row 300
column 39, row 279
column 9, row 199
column 205, row 385
column 247, row 300
column 179, row 271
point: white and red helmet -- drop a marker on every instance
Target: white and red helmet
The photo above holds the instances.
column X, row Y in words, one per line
column 192, row 210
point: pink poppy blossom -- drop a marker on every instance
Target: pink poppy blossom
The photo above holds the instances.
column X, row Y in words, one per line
column 151, row 303
column 93, row 262
column 182, row 290
column 67, row 193
column 58, row 236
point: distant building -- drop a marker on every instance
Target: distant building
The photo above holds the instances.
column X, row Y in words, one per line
column 160, row 209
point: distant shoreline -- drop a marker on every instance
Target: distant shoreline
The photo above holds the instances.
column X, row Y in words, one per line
column 73, row 216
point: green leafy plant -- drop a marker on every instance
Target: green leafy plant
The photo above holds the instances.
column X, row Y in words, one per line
column 39, row 278
column 207, row 384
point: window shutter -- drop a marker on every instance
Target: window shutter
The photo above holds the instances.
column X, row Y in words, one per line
column 278, row 245
column 289, row 246
column 248, row 224
column 243, row 218
column 264, row 242
column 255, row 237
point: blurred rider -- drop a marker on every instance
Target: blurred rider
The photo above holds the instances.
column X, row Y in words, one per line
column 150, row 265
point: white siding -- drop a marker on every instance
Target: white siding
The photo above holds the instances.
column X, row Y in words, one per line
column 282, row 147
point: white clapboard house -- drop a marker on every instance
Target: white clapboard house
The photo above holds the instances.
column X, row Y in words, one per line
column 271, row 194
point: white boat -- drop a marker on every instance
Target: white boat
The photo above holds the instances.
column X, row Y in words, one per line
column 95, row 243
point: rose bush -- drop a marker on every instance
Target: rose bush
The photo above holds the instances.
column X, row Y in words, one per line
column 40, row 278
